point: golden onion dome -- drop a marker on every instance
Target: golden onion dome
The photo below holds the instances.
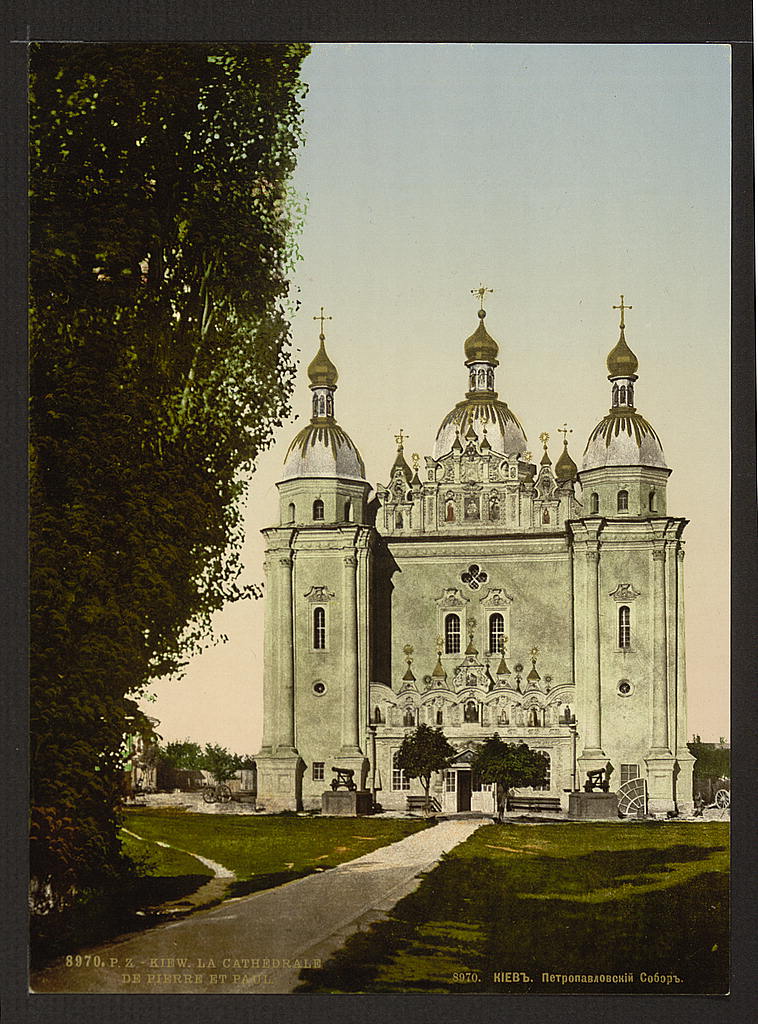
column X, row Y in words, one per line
column 565, row 467
column 480, row 347
column 322, row 371
column 621, row 361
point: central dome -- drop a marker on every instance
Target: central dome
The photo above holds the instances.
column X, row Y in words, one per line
column 504, row 432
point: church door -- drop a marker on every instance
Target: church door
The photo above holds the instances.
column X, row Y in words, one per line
column 464, row 790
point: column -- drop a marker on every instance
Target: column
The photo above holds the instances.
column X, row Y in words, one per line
column 286, row 703
column 592, row 709
column 269, row 659
column 660, row 724
column 350, row 657
column 681, row 676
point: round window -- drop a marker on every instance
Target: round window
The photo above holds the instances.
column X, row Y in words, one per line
column 624, row 688
column 319, row 688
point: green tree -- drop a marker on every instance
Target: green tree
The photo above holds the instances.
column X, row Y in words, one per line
column 221, row 764
column 508, row 765
column 183, row 755
column 161, row 236
column 423, row 752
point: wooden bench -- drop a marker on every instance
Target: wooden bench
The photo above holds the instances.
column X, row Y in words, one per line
column 535, row 803
column 418, row 804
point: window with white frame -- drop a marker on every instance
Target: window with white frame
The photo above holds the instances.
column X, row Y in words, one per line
column 625, row 627
column 318, row 771
column 452, row 634
column 318, row 510
column 319, row 629
column 449, row 782
column 497, row 633
column 622, row 501
column 399, row 781
column 629, row 772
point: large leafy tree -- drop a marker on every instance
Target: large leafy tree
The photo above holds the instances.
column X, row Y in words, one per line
column 161, row 241
column 423, row 752
column 508, row 765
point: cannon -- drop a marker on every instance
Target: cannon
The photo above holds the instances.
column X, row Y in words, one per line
column 344, row 777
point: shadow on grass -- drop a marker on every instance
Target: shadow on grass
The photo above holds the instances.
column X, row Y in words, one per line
column 535, row 914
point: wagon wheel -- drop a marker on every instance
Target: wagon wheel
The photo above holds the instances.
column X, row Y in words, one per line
column 723, row 799
column 223, row 794
column 209, row 794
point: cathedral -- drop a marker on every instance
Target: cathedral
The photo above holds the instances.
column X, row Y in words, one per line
column 484, row 591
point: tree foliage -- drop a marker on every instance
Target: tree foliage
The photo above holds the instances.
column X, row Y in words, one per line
column 162, row 233
column 423, row 752
column 509, row 765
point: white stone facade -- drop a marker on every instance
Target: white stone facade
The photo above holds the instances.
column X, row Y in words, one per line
column 483, row 593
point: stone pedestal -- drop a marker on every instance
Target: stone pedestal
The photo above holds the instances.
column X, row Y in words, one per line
column 589, row 806
column 660, row 782
column 280, row 783
column 346, row 803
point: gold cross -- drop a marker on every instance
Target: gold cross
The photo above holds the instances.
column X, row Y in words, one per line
column 622, row 307
column 401, row 437
column 481, row 291
column 544, row 437
column 321, row 317
column 535, row 653
column 565, row 430
column 415, row 459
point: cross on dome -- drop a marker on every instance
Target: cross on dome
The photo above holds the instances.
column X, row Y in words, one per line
column 321, row 317
column 481, row 291
column 622, row 307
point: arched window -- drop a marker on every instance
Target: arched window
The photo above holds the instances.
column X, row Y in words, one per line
column 348, row 511
column 409, row 717
column 625, row 627
column 497, row 632
column 615, row 395
column 378, row 715
column 622, row 395
column 319, row 629
column 452, row 634
column 532, row 717
column 472, row 380
column 329, row 405
column 546, row 783
column 439, row 716
column 398, row 519
column 622, row 501
column 594, row 504
column 545, row 516
column 399, row 780
column 491, row 380
column 450, row 512
column 292, row 512
column 471, row 712
column 651, row 501
column 318, row 510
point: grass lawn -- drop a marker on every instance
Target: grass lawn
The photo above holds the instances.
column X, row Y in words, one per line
column 166, row 874
column 586, row 898
column 264, row 851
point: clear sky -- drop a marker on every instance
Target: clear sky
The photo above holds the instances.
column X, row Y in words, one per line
column 560, row 176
